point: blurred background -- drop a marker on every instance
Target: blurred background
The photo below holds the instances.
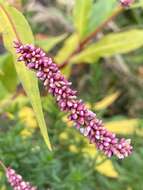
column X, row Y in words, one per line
column 107, row 71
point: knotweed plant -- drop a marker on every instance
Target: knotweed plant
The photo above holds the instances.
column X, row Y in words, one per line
column 58, row 86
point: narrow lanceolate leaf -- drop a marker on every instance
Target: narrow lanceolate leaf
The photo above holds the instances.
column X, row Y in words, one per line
column 69, row 46
column 107, row 101
column 100, row 12
column 81, row 14
column 14, row 26
column 112, row 44
column 49, row 43
column 107, row 169
column 125, row 126
column 8, row 76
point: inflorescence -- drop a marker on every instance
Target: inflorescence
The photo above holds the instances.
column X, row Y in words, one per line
column 16, row 181
column 126, row 3
column 85, row 120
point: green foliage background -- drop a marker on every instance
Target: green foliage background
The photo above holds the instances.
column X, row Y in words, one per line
column 107, row 72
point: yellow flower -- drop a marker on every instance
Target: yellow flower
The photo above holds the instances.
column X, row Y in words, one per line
column 27, row 116
column 73, row 149
column 63, row 136
column 67, row 121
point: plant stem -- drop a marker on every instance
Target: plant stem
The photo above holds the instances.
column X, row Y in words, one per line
column 91, row 36
column 3, row 166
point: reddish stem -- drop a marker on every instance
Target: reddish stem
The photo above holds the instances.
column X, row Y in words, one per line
column 90, row 37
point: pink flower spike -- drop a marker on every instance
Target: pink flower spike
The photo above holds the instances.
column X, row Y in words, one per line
column 16, row 181
column 85, row 120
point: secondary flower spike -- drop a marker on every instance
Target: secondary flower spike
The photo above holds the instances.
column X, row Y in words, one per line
column 16, row 181
column 85, row 120
column 126, row 3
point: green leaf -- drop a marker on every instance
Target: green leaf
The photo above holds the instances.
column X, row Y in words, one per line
column 14, row 26
column 9, row 76
column 124, row 126
column 100, row 13
column 136, row 5
column 3, row 91
column 81, row 15
column 107, row 101
column 2, row 60
column 110, row 45
column 69, row 46
column 50, row 42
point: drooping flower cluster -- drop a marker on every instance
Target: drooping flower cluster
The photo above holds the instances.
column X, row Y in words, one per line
column 85, row 120
column 16, row 181
column 126, row 3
